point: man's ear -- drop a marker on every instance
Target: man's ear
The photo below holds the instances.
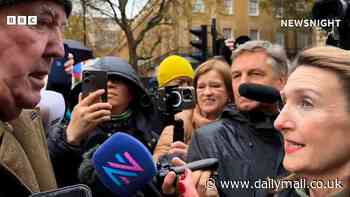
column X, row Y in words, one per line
column 281, row 82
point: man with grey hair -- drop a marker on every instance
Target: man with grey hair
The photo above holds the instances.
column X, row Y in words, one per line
column 244, row 140
column 258, row 62
column 26, row 54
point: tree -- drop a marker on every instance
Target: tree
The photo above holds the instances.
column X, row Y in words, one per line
column 151, row 16
column 75, row 28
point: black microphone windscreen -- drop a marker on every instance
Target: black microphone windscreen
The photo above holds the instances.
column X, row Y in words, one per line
column 204, row 164
column 260, row 93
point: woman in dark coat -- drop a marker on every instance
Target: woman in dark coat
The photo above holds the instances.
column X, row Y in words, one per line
column 128, row 109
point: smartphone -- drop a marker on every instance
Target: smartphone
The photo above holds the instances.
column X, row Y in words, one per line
column 70, row 191
column 94, row 80
column 66, row 52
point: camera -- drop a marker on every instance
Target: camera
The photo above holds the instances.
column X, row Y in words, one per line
column 332, row 10
column 175, row 99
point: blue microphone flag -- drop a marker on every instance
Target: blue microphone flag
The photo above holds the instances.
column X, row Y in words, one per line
column 123, row 164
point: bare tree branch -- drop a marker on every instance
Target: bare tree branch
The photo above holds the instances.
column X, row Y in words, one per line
column 155, row 13
column 154, row 21
column 100, row 10
column 115, row 15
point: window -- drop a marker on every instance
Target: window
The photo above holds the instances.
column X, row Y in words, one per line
column 254, row 34
column 280, row 38
column 279, row 12
column 227, row 33
column 229, row 6
column 300, row 6
column 198, row 6
column 279, row 9
column 253, row 8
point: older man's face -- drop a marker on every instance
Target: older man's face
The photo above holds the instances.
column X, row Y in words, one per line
column 26, row 52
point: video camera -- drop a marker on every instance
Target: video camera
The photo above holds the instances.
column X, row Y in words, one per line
column 335, row 10
column 173, row 99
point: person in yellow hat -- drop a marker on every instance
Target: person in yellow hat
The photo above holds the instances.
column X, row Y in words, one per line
column 175, row 70
column 211, row 72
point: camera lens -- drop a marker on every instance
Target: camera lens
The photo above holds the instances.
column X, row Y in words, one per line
column 175, row 99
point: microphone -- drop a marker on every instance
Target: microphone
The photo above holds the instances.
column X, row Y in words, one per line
column 124, row 165
column 197, row 165
column 261, row 93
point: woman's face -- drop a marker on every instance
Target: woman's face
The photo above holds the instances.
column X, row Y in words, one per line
column 119, row 96
column 315, row 123
column 211, row 94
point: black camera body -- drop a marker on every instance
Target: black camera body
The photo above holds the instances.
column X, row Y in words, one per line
column 332, row 10
column 175, row 98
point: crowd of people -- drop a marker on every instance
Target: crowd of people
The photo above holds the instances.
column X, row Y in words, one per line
column 307, row 138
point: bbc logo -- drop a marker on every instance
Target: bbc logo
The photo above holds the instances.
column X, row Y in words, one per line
column 22, row 20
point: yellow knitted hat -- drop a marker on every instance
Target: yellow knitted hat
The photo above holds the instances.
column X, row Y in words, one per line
column 173, row 67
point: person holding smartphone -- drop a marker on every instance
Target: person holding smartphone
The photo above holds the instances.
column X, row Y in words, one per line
column 128, row 109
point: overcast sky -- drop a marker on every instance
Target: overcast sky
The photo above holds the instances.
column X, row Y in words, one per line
column 132, row 8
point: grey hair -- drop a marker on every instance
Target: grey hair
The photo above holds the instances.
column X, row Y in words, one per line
column 278, row 57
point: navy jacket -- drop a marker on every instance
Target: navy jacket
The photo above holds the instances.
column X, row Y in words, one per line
column 247, row 146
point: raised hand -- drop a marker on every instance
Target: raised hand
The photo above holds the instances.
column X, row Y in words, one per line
column 87, row 114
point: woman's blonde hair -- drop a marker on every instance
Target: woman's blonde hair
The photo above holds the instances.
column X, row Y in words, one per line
column 328, row 58
column 219, row 66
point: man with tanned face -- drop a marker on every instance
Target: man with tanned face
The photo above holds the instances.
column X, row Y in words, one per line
column 26, row 54
column 244, row 140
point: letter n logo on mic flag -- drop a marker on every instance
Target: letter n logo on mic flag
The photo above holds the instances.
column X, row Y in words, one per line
column 123, row 164
column 126, row 167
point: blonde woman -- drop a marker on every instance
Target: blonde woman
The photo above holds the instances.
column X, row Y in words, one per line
column 315, row 123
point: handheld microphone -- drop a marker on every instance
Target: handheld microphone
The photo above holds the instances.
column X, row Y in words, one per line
column 197, row 165
column 165, row 167
column 124, row 165
column 261, row 93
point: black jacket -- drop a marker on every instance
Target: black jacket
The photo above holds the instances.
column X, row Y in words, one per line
column 10, row 185
column 247, row 146
column 67, row 158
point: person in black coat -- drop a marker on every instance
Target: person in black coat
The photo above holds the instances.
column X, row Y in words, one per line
column 244, row 139
column 128, row 109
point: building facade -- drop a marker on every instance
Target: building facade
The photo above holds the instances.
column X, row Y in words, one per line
column 233, row 18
